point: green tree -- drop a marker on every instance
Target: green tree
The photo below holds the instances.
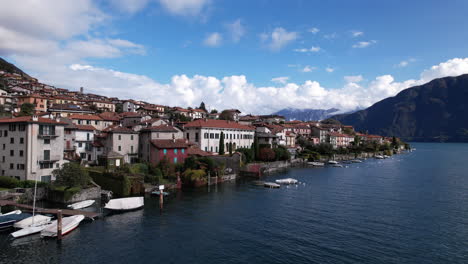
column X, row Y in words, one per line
column 27, row 109
column 214, row 111
column 71, row 175
column 256, row 148
column 226, row 115
column 230, row 148
column 331, row 121
column 202, row 106
column 119, row 108
column 221, row 144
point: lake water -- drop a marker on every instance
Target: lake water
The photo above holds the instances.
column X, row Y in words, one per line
column 410, row 208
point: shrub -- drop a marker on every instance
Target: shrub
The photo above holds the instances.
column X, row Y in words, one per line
column 266, row 154
column 72, row 175
column 9, row 182
column 281, row 153
column 193, row 175
column 248, row 154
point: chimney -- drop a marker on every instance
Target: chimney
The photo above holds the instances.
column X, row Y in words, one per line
column 35, row 118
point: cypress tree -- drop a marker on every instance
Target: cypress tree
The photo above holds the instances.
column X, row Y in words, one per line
column 221, row 144
column 230, row 148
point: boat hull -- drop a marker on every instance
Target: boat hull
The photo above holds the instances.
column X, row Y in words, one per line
column 38, row 221
column 81, row 205
column 125, row 204
column 29, row 231
column 68, row 224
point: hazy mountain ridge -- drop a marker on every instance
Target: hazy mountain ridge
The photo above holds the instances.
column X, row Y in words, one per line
column 435, row 111
column 306, row 114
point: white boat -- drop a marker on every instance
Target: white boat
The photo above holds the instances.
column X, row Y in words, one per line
column 30, row 230
column 316, row 164
column 36, row 220
column 287, row 181
column 386, row 156
column 82, row 204
column 379, row 157
column 271, row 185
column 125, row 204
column 338, row 166
column 356, row 161
column 12, row 213
column 68, row 224
column 332, row 162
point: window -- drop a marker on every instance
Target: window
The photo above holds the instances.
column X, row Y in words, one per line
column 5, row 133
column 46, row 141
column 131, row 137
column 12, row 166
column 80, row 144
column 12, row 127
column 46, row 130
column 46, row 178
column 21, row 153
column 165, row 151
column 175, row 160
column 12, row 140
column 120, row 137
column 87, row 136
column 216, row 135
column 183, row 151
column 131, row 149
column 216, row 149
column 21, row 140
column 175, row 151
column 21, row 127
column 206, row 148
column 12, row 153
column 20, row 166
column 3, row 172
column 83, row 155
column 188, row 136
column 196, row 137
column 96, row 122
column 120, row 148
column 211, row 135
column 88, row 122
column 46, row 154
column 205, row 135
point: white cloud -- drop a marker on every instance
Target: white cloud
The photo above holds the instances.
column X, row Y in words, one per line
column 314, row 30
column 353, row 78
column 364, row 44
column 405, row 63
column 185, row 7
column 308, row 69
column 236, row 30
column 356, row 34
column 329, row 69
column 213, row 40
column 281, row 80
column 129, row 6
column 279, row 38
column 330, row 36
column 312, row 49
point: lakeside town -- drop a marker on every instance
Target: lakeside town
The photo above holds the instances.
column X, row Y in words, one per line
column 44, row 127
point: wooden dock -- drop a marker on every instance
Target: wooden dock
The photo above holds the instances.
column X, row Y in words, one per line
column 38, row 210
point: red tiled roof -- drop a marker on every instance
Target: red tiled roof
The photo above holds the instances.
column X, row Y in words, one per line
column 195, row 151
column 118, row 129
column 130, row 114
column 109, row 116
column 85, row 127
column 169, row 143
column 150, row 121
column 218, row 124
column 29, row 119
column 85, row 117
column 161, row 128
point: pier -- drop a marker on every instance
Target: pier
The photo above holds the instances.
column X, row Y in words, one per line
column 90, row 215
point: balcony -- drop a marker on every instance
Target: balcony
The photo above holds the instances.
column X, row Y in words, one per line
column 51, row 159
column 48, row 136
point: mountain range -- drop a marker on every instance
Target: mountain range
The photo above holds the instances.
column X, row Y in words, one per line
column 435, row 111
column 306, row 114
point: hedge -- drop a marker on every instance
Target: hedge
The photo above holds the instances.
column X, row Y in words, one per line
column 118, row 183
column 10, row 182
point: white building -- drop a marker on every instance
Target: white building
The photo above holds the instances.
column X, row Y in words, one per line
column 31, row 147
column 206, row 133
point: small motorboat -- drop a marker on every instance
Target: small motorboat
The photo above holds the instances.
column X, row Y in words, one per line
column 158, row 192
column 37, row 220
column 379, row 157
column 386, row 156
column 9, row 219
column 125, row 204
column 338, row 165
column 287, row 181
column 271, row 185
column 30, row 230
column 68, row 224
column 82, row 204
column 332, row 162
column 356, row 161
column 316, row 164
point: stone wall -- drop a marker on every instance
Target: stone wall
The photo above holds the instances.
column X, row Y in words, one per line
column 232, row 162
column 85, row 194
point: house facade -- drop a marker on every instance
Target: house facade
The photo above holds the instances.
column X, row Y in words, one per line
column 31, row 147
column 172, row 150
column 206, row 133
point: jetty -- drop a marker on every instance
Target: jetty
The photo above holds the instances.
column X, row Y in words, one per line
column 90, row 215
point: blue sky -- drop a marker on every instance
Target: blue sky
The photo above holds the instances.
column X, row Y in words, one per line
column 313, row 54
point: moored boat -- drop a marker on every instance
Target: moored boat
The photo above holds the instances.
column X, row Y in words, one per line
column 332, row 162
column 9, row 219
column 125, row 204
column 30, row 230
column 287, row 181
column 316, row 164
column 82, row 204
column 337, row 165
column 271, row 185
column 356, row 161
column 379, row 157
column 36, row 220
column 68, row 224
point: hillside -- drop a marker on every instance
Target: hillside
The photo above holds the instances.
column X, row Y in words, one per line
column 435, row 111
column 306, row 114
column 11, row 68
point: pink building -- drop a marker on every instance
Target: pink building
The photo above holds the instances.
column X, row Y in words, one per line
column 174, row 150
